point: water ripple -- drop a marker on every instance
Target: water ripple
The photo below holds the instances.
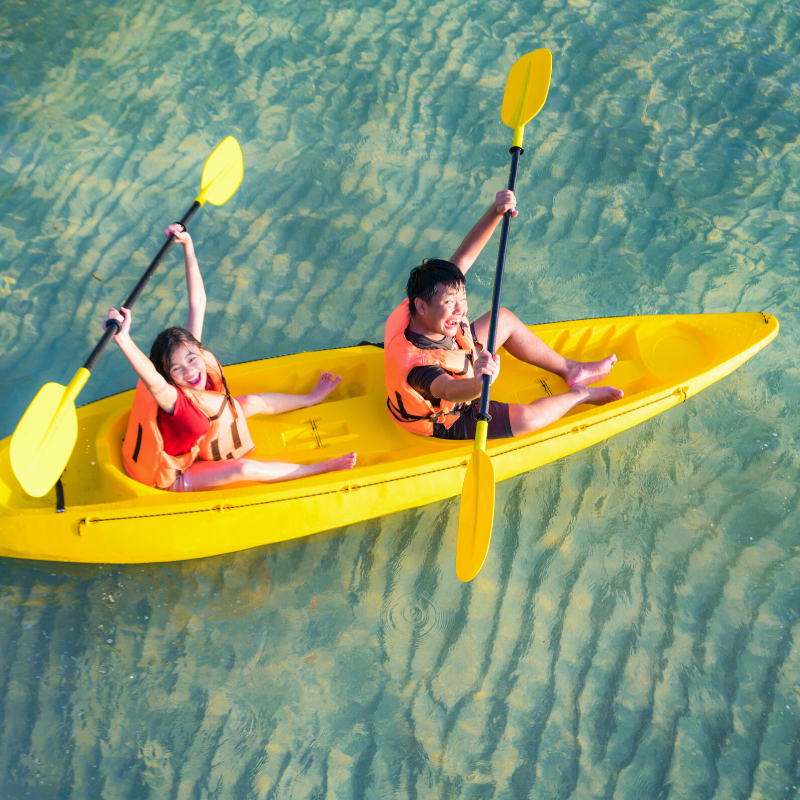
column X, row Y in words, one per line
column 415, row 617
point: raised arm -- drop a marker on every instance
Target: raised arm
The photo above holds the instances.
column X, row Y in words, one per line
column 483, row 229
column 194, row 281
column 163, row 393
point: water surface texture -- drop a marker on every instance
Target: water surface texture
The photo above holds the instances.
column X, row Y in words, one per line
column 634, row 631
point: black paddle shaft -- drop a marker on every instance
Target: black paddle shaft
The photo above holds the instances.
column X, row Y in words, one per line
column 112, row 328
column 516, row 152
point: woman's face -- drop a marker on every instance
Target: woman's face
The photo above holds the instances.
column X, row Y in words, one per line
column 187, row 367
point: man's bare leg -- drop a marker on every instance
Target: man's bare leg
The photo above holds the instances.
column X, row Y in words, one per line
column 525, row 345
column 527, row 418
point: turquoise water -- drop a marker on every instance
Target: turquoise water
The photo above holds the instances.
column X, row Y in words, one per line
column 634, row 631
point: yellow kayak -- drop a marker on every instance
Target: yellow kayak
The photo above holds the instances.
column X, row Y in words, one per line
column 98, row 514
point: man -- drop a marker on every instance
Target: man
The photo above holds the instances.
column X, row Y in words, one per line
column 435, row 361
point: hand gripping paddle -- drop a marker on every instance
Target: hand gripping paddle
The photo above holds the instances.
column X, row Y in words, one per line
column 43, row 441
column 525, row 93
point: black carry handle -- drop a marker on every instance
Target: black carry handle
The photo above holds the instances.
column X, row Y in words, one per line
column 113, row 326
column 498, row 283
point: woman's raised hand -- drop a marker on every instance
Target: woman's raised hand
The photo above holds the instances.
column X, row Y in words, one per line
column 180, row 233
column 124, row 320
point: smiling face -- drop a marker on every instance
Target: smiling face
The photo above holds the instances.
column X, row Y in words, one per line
column 187, row 367
column 442, row 315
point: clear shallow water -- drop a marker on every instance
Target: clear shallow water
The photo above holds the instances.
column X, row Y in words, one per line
column 634, row 631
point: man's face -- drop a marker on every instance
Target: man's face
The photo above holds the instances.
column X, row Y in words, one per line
column 441, row 317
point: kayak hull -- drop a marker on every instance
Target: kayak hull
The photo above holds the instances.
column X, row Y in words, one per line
column 109, row 518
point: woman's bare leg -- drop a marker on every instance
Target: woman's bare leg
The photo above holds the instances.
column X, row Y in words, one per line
column 277, row 403
column 527, row 418
column 212, row 474
column 525, row 345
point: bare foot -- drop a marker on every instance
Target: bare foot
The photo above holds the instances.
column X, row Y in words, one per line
column 325, row 385
column 586, row 372
column 600, row 395
column 343, row 462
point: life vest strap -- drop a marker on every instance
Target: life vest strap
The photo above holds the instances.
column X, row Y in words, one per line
column 467, row 362
column 401, row 415
column 237, row 442
column 221, row 408
column 228, row 395
column 138, row 444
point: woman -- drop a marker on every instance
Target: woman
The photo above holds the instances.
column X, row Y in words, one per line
column 186, row 432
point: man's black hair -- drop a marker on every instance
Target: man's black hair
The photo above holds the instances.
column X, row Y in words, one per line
column 424, row 280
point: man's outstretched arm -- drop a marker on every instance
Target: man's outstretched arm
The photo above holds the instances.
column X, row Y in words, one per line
column 483, row 229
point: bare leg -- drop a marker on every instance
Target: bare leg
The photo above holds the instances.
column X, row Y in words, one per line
column 276, row 403
column 527, row 418
column 212, row 474
column 525, row 345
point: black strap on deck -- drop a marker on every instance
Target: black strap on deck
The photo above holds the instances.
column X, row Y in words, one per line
column 60, row 507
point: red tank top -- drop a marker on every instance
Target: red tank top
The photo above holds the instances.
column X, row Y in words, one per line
column 181, row 429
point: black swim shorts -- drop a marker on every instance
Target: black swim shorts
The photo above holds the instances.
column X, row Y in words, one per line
column 464, row 427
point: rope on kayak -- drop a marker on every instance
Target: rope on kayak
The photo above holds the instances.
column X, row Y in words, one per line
column 680, row 392
column 216, row 507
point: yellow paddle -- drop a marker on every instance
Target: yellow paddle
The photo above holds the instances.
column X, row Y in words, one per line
column 525, row 93
column 46, row 434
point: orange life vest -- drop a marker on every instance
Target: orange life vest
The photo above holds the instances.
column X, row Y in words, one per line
column 227, row 435
column 406, row 405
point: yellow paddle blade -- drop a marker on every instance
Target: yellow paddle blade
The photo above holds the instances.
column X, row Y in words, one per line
column 526, row 91
column 222, row 173
column 476, row 516
column 43, row 441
